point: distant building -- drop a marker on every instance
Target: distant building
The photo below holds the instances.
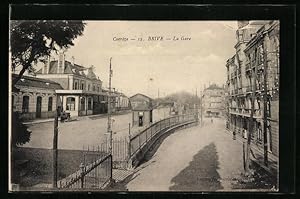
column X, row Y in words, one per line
column 213, row 101
column 34, row 98
column 142, row 107
column 257, row 55
column 121, row 102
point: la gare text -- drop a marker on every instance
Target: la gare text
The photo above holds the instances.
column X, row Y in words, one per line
column 153, row 38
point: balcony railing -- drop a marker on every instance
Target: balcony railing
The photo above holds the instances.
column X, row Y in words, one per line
column 245, row 111
column 248, row 67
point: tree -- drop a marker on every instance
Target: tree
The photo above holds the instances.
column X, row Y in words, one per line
column 33, row 41
column 20, row 134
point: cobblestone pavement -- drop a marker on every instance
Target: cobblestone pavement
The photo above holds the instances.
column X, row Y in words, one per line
column 194, row 159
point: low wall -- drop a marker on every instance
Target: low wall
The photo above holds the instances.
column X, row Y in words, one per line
column 138, row 155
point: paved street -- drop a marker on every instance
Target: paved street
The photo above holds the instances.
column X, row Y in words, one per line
column 86, row 131
column 193, row 159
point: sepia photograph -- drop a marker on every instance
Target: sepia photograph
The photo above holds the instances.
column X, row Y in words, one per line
column 125, row 106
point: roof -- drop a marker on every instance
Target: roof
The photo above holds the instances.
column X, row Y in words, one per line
column 37, row 82
column 71, row 69
column 141, row 95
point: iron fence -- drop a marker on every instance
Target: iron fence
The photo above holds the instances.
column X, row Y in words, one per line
column 93, row 173
column 138, row 141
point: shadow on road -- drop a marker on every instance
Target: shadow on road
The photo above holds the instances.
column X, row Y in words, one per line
column 153, row 149
column 201, row 174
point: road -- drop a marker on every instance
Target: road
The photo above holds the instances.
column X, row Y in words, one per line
column 194, row 159
column 86, row 131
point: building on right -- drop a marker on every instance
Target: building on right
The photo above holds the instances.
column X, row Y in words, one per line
column 213, row 101
column 252, row 86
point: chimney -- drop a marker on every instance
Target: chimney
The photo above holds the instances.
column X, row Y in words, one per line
column 73, row 60
column 61, row 62
column 48, row 65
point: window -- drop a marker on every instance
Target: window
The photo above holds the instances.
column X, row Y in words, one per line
column 70, row 104
column 25, row 104
column 94, row 88
column 82, row 86
column 82, row 104
column 88, row 87
column 50, row 103
column 89, row 103
column 259, row 132
column 75, row 85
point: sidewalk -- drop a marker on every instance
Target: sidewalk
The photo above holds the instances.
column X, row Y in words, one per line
column 258, row 156
column 97, row 116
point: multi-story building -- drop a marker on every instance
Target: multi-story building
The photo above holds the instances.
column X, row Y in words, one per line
column 213, row 101
column 81, row 92
column 253, row 82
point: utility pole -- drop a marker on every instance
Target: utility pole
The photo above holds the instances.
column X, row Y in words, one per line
column 197, row 111
column 201, row 108
column 251, row 127
column 265, row 97
column 55, row 141
column 109, row 130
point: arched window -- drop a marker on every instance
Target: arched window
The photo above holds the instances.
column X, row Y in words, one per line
column 70, row 104
column 82, row 104
column 50, row 102
column 25, row 104
column 75, row 85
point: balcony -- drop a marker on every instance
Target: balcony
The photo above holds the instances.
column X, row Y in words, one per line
column 246, row 112
column 248, row 88
column 248, row 68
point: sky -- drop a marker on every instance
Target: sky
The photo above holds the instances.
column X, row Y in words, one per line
column 173, row 65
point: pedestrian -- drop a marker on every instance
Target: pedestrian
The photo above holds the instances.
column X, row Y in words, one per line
column 245, row 133
column 233, row 135
column 211, row 120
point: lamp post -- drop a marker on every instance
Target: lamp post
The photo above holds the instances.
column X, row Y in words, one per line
column 109, row 130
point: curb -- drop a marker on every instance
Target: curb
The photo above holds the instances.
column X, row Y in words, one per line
column 78, row 118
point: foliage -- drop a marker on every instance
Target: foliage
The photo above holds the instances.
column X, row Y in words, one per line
column 181, row 98
column 20, row 134
column 33, row 41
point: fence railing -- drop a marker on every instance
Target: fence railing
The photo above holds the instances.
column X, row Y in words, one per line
column 138, row 141
column 93, row 175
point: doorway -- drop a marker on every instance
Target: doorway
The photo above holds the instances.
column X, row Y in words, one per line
column 141, row 115
column 38, row 106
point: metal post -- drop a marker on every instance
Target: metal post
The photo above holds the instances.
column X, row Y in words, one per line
column 81, row 175
column 201, row 108
column 253, row 87
column 109, row 130
column 129, row 146
column 55, row 141
column 265, row 97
